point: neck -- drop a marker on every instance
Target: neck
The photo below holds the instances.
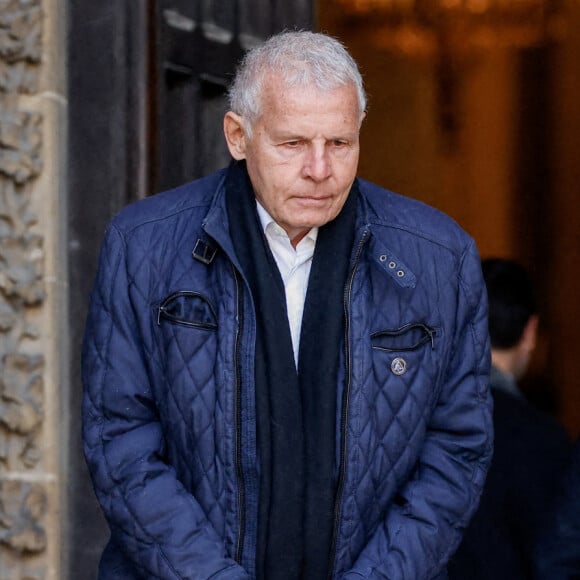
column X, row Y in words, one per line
column 298, row 238
column 503, row 360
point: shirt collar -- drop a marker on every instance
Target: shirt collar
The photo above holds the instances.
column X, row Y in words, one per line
column 504, row 382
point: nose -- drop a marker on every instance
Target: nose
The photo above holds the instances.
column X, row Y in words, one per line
column 317, row 163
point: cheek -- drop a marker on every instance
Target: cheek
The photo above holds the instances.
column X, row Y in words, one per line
column 280, row 180
column 344, row 167
column 351, row 164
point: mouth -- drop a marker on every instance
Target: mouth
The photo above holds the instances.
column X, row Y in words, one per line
column 312, row 200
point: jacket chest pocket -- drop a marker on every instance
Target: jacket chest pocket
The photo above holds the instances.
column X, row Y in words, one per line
column 407, row 338
column 186, row 326
column 406, row 363
column 187, row 331
column 187, row 308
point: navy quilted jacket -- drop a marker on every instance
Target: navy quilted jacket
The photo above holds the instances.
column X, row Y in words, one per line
column 169, row 417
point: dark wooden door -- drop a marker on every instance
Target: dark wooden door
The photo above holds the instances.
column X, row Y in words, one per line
column 146, row 86
column 198, row 46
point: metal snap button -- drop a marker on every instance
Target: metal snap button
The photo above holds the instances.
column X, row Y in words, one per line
column 399, row 366
column 400, row 273
column 383, row 258
column 392, row 265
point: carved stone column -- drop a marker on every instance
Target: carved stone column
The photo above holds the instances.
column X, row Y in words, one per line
column 33, row 344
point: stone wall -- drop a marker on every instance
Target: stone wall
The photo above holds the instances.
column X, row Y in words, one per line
column 33, row 345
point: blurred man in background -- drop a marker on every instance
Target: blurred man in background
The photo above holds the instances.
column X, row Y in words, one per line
column 531, row 449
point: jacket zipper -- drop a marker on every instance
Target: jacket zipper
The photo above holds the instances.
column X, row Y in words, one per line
column 238, row 425
column 345, row 405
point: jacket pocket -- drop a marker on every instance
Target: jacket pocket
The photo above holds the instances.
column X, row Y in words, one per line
column 406, row 338
column 188, row 308
column 400, row 391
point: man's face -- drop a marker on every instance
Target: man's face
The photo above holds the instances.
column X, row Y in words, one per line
column 303, row 154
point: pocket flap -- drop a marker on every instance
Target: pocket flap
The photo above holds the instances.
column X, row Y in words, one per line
column 188, row 308
column 408, row 337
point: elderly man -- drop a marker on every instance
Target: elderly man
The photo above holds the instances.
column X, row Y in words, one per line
column 285, row 366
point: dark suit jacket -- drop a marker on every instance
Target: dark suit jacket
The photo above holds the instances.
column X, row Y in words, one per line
column 531, row 451
column 559, row 550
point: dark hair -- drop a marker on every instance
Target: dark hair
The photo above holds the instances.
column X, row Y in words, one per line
column 511, row 300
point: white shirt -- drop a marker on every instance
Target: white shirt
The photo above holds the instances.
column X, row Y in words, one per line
column 294, row 266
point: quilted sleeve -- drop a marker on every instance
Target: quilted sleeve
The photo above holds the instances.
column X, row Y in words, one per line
column 424, row 527
column 160, row 527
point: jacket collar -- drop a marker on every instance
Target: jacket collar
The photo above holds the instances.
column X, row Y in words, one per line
column 216, row 223
column 216, row 228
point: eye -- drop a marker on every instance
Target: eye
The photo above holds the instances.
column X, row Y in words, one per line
column 339, row 143
column 292, row 144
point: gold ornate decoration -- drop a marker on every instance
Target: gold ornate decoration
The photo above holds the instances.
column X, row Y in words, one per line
column 453, row 33
column 423, row 27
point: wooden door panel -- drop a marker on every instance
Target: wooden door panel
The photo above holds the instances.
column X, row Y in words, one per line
column 199, row 43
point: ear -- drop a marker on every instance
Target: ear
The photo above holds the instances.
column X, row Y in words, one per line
column 362, row 118
column 530, row 333
column 235, row 134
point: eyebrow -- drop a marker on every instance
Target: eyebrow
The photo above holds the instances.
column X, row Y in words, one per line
column 284, row 136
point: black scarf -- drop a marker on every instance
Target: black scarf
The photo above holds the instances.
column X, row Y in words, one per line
column 296, row 411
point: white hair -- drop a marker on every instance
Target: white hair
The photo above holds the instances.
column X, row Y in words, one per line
column 301, row 58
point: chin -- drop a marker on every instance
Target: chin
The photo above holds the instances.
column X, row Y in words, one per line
column 318, row 218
